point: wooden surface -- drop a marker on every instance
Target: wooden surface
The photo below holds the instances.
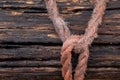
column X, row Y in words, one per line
column 30, row 48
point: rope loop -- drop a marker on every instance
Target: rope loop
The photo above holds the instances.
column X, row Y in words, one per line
column 66, row 56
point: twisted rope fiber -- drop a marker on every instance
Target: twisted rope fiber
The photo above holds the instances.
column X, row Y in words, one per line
column 77, row 43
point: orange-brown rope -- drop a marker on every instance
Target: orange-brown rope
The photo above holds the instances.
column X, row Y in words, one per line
column 75, row 43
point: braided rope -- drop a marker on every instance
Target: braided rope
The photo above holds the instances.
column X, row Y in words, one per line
column 76, row 43
column 59, row 24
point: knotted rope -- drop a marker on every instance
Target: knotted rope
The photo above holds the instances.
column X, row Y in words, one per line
column 75, row 44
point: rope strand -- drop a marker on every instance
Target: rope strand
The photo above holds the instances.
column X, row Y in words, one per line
column 59, row 24
column 96, row 19
column 77, row 43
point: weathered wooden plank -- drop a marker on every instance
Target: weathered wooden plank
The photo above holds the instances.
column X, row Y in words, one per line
column 30, row 63
column 37, row 36
column 25, row 24
column 33, row 56
column 14, row 19
column 27, row 27
column 46, row 73
column 63, row 4
column 55, row 63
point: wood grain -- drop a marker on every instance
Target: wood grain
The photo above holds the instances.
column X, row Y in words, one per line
column 30, row 48
column 46, row 73
column 100, row 56
column 30, row 27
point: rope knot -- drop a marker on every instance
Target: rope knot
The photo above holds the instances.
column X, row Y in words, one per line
column 75, row 45
column 70, row 47
column 70, row 43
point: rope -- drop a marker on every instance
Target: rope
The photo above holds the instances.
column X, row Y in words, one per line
column 59, row 24
column 75, row 44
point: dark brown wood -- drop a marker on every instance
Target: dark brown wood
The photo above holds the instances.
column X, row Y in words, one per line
column 30, row 27
column 100, row 56
column 63, row 4
column 46, row 73
column 30, row 48
column 17, row 61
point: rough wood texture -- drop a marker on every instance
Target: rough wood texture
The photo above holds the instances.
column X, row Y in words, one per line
column 30, row 48
column 30, row 61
